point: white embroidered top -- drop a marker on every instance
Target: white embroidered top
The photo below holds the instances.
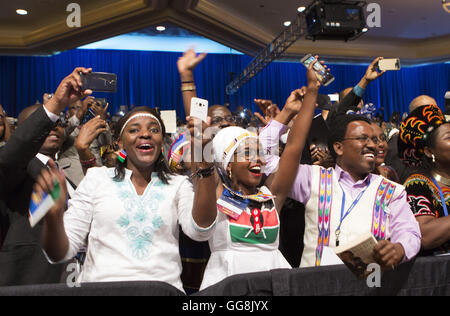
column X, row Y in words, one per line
column 130, row 237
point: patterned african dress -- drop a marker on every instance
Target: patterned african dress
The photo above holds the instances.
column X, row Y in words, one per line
column 425, row 200
column 130, row 237
column 239, row 246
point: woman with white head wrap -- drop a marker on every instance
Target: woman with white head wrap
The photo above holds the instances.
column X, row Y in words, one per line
column 246, row 235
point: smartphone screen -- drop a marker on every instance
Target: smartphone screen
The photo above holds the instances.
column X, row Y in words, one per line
column 320, row 70
column 324, row 76
column 389, row 64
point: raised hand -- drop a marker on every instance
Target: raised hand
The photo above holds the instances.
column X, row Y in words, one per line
column 68, row 91
column 187, row 63
column 269, row 110
column 372, row 71
column 46, row 182
column 89, row 132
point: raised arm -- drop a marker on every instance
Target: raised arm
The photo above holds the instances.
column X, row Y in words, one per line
column 28, row 138
column 204, row 211
column 351, row 100
column 186, row 65
column 88, row 133
column 282, row 181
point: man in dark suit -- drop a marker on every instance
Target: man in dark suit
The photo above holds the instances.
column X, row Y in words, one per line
column 21, row 257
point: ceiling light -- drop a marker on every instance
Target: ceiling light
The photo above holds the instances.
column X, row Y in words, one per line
column 301, row 9
column 21, row 12
column 161, row 28
column 287, row 23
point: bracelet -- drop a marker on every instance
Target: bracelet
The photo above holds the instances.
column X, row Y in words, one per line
column 188, row 88
column 203, row 173
column 191, row 81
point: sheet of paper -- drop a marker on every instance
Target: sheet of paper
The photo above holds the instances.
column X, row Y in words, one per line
column 170, row 121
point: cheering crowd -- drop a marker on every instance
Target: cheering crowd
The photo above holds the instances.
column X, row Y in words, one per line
column 137, row 203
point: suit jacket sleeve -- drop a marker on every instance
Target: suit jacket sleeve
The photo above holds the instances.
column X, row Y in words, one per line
column 26, row 141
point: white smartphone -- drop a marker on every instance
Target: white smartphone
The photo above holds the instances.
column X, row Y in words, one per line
column 199, row 108
column 324, row 76
column 389, row 64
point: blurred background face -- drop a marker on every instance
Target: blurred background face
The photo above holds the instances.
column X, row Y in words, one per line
column 382, row 146
column 220, row 117
column 73, row 108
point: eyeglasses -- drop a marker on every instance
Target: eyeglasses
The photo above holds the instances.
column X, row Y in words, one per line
column 218, row 119
column 364, row 139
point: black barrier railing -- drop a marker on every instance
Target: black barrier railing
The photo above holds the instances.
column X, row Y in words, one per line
column 422, row 276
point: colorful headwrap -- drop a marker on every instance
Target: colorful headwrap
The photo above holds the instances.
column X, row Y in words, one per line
column 177, row 149
column 414, row 132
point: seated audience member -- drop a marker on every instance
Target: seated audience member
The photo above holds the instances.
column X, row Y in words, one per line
column 425, row 143
column 21, row 257
column 382, row 148
column 393, row 158
column 354, row 201
column 129, row 215
column 70, row 160
column 246, row 236
column 5, row 130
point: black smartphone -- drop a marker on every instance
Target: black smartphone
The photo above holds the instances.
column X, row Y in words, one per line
column 324, row 76
column 99, row 81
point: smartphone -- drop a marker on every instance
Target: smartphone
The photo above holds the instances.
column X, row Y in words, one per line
column 334, row 97
column 389, row 64
column 199, row 108
column 88, row 116
column 99, row 81
column 324, row 76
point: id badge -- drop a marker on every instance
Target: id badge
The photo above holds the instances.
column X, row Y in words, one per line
column 231, row 206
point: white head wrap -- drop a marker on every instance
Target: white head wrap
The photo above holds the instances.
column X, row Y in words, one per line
column 227, row 141
column 140, row 114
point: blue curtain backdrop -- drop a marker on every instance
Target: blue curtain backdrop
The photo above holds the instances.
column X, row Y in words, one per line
column 151, row 78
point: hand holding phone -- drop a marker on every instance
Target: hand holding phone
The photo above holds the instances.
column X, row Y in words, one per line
column 199, row 108
column 99, row 81
column 324, row 76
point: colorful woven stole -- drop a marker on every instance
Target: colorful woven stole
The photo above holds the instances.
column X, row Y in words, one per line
column 384, row 195
column 325, row 199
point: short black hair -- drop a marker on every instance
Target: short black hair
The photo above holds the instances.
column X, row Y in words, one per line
column 338, row 128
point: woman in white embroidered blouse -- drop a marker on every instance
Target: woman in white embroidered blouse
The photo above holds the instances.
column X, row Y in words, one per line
column 128, row 216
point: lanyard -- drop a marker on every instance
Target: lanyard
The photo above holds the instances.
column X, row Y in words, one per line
column 352, row 206
column 444, row 206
